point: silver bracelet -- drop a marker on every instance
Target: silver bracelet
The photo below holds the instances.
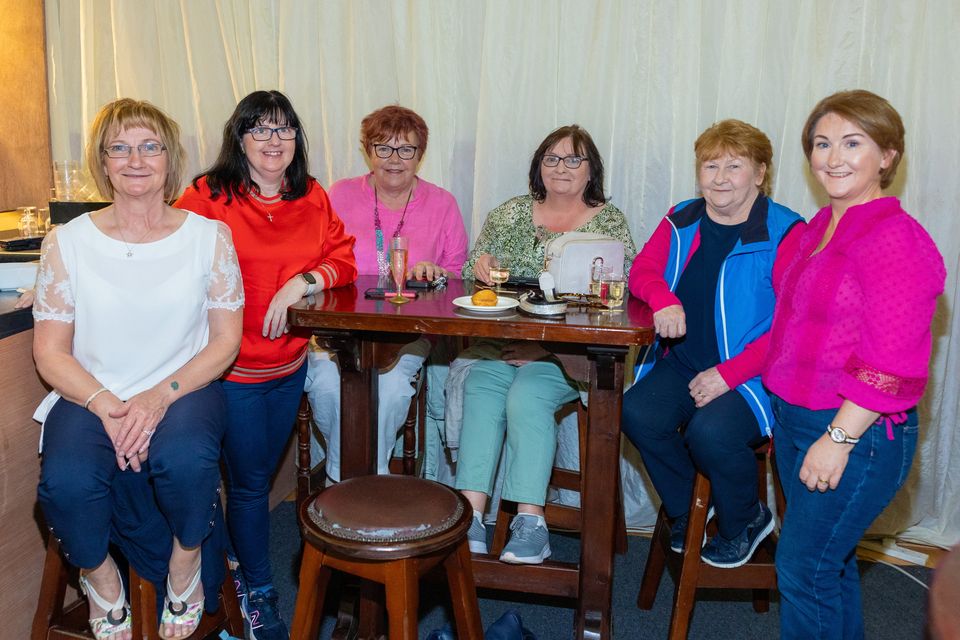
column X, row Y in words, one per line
column 86, row 405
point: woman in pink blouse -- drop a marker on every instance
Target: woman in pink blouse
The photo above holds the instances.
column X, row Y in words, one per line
column 847, row 363
column 391, row 200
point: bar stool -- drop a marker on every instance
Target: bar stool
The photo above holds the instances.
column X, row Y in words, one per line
column 54, row 620
column 759, row 574
column 390, row 530
column 559, row 516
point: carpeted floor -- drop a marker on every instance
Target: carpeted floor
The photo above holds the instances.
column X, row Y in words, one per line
column 894, row 605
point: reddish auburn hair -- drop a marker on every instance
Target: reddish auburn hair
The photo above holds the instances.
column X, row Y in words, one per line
column 391, row 122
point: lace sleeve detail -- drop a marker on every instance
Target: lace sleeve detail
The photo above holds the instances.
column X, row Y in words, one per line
column 225, row 287
column 886, row 383
column 54, row 292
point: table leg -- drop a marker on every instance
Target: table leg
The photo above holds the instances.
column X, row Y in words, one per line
column 600, row 493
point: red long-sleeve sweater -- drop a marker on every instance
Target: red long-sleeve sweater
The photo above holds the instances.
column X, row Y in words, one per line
column 274, row 243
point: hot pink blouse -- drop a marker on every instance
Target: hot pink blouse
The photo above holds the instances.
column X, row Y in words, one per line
column 853, row 321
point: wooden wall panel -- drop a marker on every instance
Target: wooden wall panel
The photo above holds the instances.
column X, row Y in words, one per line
column 25, row 172
column 21, row 542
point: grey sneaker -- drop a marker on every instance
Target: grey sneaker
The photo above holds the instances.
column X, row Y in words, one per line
column 529, row 542
column 477, row 535
column 728, row 554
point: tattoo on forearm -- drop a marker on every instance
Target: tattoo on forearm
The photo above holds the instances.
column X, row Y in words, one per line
column 174, row 385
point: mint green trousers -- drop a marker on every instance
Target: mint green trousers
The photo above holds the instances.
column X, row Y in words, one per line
column 512, row 407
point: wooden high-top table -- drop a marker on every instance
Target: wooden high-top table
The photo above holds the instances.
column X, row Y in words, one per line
column 367, row 334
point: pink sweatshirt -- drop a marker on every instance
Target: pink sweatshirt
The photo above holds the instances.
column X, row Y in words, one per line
column 853, row 321
column 433, row 224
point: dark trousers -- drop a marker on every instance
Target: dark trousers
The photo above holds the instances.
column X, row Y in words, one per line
column 261, row 416
column 89, row 503
column 718, row 440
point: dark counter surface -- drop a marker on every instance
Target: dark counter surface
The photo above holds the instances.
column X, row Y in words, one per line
column 19, row 256
column 13, row 320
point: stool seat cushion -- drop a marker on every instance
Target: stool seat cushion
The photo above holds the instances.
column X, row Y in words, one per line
column 384, row 509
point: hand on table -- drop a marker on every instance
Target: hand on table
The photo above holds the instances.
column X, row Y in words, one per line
column 426, row 270
column 670, row 322
column 275, row 320
column 481, row 268
column 706, row 386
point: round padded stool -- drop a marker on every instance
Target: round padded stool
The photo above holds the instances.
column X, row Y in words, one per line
column 391, row 530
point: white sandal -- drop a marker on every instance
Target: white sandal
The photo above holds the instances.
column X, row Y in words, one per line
column 118, row 617
column 178, row 612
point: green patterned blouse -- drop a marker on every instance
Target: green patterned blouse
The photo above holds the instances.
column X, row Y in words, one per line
column 509, row 232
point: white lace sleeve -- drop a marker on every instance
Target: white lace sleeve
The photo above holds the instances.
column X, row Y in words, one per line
column 54, row 292
column 225, row 288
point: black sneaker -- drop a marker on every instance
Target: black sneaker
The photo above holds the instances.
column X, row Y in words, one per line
column 263, row 614
column 728, row 554
column 678, row 531
column 241, row 586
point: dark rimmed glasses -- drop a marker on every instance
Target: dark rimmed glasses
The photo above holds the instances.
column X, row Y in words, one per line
column 147, row 149
column 570, row 162
column 384, row 151
column 262, row 134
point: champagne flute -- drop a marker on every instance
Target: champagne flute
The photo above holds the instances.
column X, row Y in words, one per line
column 398, row 267
column 499, row 272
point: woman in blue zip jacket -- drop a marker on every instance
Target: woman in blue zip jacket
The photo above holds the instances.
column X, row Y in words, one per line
column 707, row 272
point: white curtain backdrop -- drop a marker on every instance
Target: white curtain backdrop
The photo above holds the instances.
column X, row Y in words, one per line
column 492, row 78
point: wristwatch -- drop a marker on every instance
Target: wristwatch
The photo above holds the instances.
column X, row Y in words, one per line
column 311, row 282
column 840, row 436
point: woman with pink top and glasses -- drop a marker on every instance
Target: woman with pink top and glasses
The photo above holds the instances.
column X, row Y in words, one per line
column 847, row 363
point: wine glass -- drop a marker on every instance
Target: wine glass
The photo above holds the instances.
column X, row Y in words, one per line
column 612, row 289
column 499, row 272
column 398, row 266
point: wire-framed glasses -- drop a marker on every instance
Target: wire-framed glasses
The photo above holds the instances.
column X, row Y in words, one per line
column 384, row 151
column 145, row 149
column 570, row 162
column 263, row 134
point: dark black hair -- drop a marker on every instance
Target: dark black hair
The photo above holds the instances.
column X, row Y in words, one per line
column 230, row 173
column 583, row 146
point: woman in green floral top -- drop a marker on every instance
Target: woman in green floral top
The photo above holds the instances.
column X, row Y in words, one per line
column 511, row 402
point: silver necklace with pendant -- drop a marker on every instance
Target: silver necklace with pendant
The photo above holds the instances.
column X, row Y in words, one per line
column 124, row 238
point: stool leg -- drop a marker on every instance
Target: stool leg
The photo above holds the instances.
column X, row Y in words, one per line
column 463, row 592
column 313, row 585
column 689, row 574
column 53, row 588
column 656, row 560
column 402, row 585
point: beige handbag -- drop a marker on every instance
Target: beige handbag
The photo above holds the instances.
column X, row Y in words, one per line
column 570, row 258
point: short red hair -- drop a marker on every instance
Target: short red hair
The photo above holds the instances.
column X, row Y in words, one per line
column 391, row 122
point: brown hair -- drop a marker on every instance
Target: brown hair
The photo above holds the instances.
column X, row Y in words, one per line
column 393, row 121
column 738, row 139
column 127, row 113
column 870, row 112
column 583, row 146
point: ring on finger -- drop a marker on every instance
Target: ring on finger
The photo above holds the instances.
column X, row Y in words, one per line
column 148, row 432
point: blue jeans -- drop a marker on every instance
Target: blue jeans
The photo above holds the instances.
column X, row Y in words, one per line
column 260, row 418
column 718, row 440
column 816, row 557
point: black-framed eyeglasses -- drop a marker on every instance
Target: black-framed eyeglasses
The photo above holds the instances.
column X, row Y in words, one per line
column 570, row 162
column 262, row 134
column 384, row 151
column 146, row 149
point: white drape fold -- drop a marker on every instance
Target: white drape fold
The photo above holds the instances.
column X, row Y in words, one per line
column 493, row 77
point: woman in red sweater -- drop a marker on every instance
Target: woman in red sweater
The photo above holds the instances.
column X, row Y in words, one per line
column 289, row 243
column 847, row 363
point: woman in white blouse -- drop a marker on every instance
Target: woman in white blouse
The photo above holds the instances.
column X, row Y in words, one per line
column 137, row 314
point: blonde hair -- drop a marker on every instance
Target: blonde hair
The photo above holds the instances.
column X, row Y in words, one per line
column 127, row 113
column 738, row 139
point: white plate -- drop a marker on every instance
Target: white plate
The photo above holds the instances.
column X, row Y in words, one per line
column 17, row 275
column 503, row 303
